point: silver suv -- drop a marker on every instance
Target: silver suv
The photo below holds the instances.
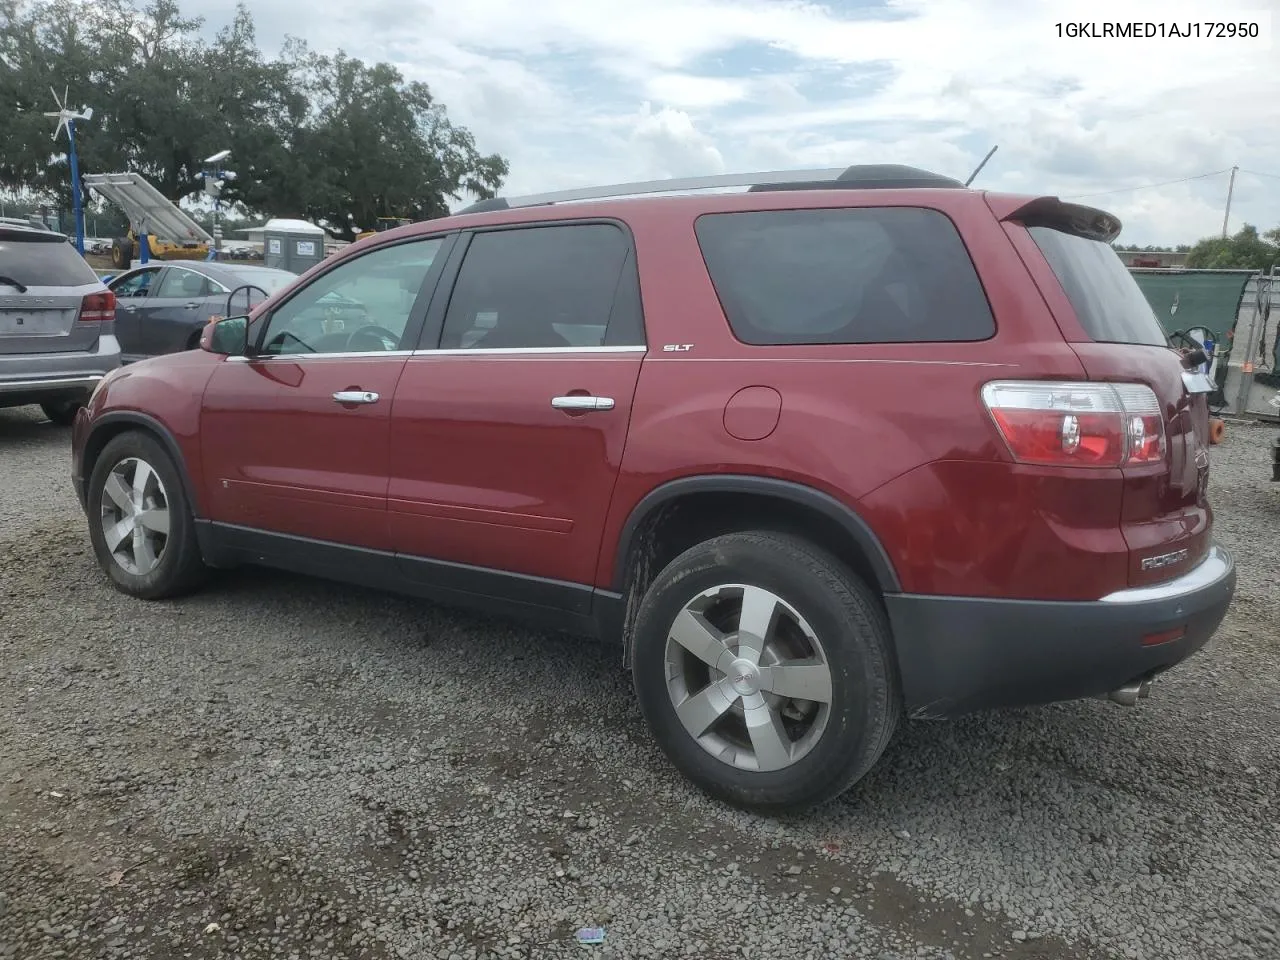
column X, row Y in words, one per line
column 57, row 323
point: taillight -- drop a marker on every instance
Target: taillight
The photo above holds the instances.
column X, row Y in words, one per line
column 1059, row 424
column 98, row 307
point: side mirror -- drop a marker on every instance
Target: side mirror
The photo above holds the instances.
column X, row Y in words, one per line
column 228, row 336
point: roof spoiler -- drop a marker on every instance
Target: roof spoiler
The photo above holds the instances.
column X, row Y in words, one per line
column 1088, row 222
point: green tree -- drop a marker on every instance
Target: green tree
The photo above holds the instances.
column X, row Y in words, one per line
column 378, row 146
column 1246, row 250
column 325, row 137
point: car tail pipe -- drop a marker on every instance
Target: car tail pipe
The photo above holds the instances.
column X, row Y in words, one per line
column 1130, row 693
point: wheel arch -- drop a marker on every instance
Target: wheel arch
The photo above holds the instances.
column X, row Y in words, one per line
column 681, row 512
column 111, row 425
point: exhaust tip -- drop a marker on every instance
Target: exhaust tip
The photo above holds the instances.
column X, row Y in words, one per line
column 1130, row 693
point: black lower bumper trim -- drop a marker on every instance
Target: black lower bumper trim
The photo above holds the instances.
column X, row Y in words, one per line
column 960, row 654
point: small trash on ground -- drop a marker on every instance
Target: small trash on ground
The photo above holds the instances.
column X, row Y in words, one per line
column 590, row 935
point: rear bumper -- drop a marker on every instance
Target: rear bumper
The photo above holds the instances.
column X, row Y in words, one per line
column 35, row 377
column 960, row 654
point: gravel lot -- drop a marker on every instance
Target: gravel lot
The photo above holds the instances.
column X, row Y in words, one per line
column 287, row 768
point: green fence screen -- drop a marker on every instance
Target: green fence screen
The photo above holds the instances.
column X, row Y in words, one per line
column 1191, row 298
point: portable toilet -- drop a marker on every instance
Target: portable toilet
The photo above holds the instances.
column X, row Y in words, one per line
column 292, row 245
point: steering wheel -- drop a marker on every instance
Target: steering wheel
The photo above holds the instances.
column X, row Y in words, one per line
column 249, row 302
column 389, row 340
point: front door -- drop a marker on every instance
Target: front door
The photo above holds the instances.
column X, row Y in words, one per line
column 508, row 430
column 180, row 304
column 132, row 290
column 295, row 436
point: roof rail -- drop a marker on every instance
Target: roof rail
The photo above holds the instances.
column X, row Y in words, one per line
column 861, row 177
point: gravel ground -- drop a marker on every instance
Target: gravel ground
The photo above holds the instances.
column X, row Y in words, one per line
column 279, row 767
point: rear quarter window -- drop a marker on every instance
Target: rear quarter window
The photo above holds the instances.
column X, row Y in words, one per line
column 1108, row 302
column 42, row 263
column 866, row 275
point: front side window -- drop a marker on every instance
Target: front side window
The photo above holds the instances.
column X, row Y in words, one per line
column 360, row 306
column 135, row 284
column 846, row 275
column 561, row 286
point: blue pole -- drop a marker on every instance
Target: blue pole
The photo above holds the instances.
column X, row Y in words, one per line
column 76, row 188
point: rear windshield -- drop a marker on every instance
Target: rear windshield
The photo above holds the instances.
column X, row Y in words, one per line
column 848, row 275
column 1106, row 298
column 41, row 263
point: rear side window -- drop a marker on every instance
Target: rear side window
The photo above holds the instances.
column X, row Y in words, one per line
column 1107, row 300
column 870, row 275
column 42, row 263
column 538, row 287
column 184, row 283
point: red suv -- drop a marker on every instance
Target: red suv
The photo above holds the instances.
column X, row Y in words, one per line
column 842, row 447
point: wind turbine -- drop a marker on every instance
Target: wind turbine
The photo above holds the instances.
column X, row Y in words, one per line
column 67, row 118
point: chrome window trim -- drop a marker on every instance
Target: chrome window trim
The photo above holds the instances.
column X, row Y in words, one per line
column 490, row 351
column 516, row 351
column 343, row 355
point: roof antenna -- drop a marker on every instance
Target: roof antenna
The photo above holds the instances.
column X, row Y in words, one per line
column 982, row 164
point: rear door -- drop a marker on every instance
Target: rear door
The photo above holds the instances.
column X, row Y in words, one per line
column 132, row 291
column 43, row 282
column 1103, row 313
column 508, row 429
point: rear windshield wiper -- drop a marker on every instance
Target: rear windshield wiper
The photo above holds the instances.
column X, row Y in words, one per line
column 20, row 287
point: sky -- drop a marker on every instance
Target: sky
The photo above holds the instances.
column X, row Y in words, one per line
column 581, row 92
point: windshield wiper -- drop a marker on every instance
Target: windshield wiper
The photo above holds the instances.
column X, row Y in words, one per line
column 20, row 287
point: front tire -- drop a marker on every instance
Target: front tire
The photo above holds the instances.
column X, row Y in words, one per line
column 140, row 522
column 763, row 667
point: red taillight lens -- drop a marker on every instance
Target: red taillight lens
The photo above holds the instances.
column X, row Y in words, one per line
column 98, row 307
column 1053, row 423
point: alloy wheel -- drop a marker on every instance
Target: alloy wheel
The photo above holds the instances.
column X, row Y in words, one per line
column 748, row 677
column 135, row 516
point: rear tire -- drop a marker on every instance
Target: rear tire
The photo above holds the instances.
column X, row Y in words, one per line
column 815, row 613
column 140, row 523
column 61, row 413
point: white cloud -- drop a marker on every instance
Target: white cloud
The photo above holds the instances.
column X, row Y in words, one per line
column 672, row 146
column 575, row 91
column 686, row 90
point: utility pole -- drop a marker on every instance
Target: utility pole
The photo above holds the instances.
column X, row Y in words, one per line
column 215, row 178
column 1231, row 186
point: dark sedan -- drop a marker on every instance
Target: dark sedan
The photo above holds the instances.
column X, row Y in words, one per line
column 162, row 307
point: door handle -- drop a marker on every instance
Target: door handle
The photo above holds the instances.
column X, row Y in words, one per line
column 191, row 306
column 131, row 308
column 582, row 403
column 355, row 396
